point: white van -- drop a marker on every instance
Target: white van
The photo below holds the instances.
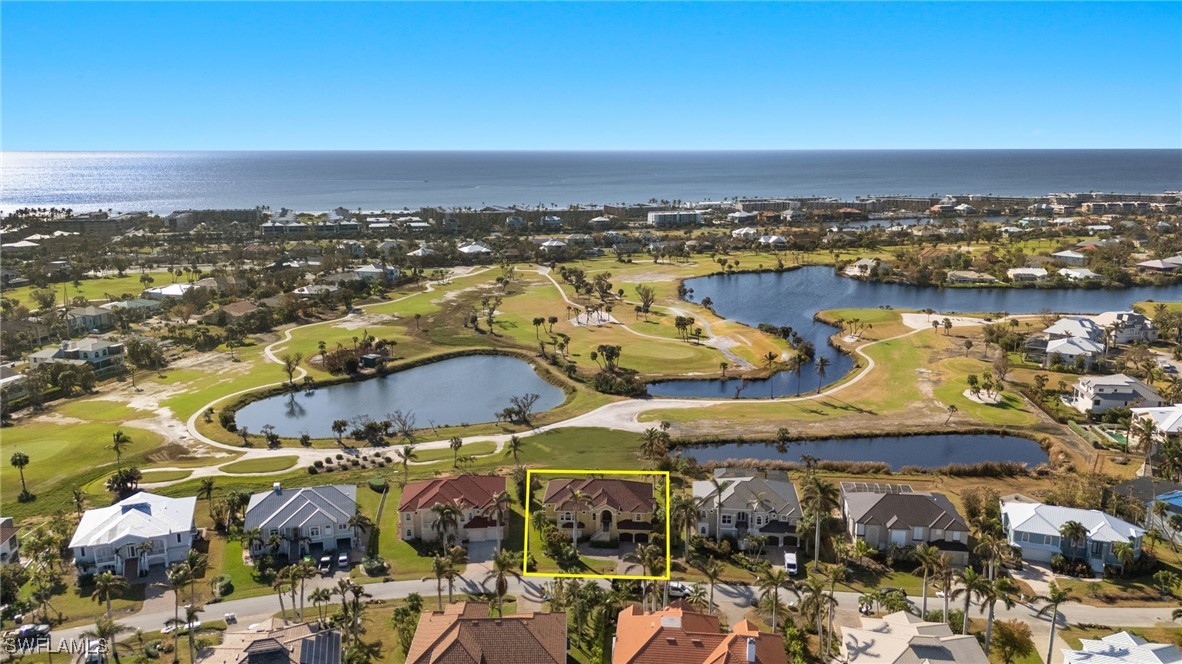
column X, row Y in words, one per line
column 790, row 563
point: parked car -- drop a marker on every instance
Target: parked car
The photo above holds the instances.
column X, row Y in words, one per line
column 343, row 560
column 790, row 564
column 325, row 565
column 28, row 636
column 679, row 589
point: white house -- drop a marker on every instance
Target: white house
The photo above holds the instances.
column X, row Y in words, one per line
column 1070, row 257
column 903, row 638
column 553, row 245
column 474, row 249
column 742, row 217
column 1078, row 274
column 1099, row 394
column 10, row 544
column 134, row 534
column 745, row 233
column 1166, row 419
column 1027, row 274
column 773, row 241
column 377, row 272
column 1078, row 327
column 1069, row 348
column 1036, row 529
column 1128, row 326
column 308, row 521
column 167, row 292
column 1121, row 648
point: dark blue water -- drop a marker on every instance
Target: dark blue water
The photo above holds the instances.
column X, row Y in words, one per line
column 791, row 298
column 457, row 391
column 933, row 451
column 319, row 181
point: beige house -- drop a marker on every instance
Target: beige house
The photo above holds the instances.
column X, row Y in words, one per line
column 611, row 510
column 472, row 494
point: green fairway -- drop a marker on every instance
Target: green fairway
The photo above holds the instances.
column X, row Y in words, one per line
column 103, row 288
column 151, row 476
column 264, row 465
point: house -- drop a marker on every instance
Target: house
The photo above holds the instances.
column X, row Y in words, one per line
column 1127, row 326
column 89, row 318
column 670, row 218
column 1078, row 274
column 274, row 642
column 473, row 494
column 135, row 534
column 310, row 520
column 98, row 353
column 886, row 515
column 1070, row 350
column 614, row 510
column 514, row 222
column 752, row 503
column 903, row 638
column 773, row 241
column 863, row 267
column 315, row 290
column 970, row 277
column 1167, row 420
column 1036, row 529
column 679, row 634
column 1076, row 327
column 371, row 273
column 474, row 249
column 1069, row 257
column 230, row 313
column 1027, row 274
column 137, row 309
column 553, row 245
column 965, row 208
column 464, row 633
column 742, row 217
column 745, row 233
column 551, row 222
column 1100, row 394
column 1172, row 499
column 171, row 291
column 1157, row 265
column 10, row 544
column 1121, row 648
column 13, row 384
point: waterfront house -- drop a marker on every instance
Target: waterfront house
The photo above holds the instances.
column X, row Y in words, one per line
column 10, row 544
column 1127, row 326
column 1122, row 648
column 1036, row 529
column 1078, row 274
column 134, row 534
column 465, row 633
column 1070, row 350
column 1100, row 394
column 885, row 515
column 1027, row 274
column 472, row 494
column 1076, row 327
column 1070, row 257
column 1157, row 265
column 273, row 641
column 614, row 509
column 863, row 267
column 682, row 635
column 970, row 277
column 98, row 353
column 903, row 638
column 760, row 503
column 308, row 520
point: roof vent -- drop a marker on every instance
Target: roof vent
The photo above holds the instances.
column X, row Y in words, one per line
column 277, row 488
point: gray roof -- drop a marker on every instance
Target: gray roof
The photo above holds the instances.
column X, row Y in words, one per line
column 904, row 510
column 744, row 489
column 291, row 508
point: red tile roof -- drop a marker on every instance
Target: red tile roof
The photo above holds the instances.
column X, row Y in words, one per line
column 470, row 490
column 620, row 495
column 677, row 634
column 464, row 634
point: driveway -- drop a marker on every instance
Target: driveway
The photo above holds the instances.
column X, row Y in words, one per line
column 481, row 552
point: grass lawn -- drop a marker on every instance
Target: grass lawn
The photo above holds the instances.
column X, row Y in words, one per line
column 1074, row 634
column 404, row 560
column 79, row 607
column 92, row 289
column 229, row 551
column 151, row 476
column 264, row 465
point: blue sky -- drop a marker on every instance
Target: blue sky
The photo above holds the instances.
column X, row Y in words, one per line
column 161, row 76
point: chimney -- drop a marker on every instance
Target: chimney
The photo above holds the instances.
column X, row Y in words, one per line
column 277, row 488
column 750, row 650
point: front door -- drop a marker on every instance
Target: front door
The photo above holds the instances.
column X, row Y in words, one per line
column 605, row 521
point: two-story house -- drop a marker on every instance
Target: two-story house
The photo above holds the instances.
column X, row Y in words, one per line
column 98, row 353
column 606, row 510
column 90, row 318
column 472, row 494
column 1127, row 326
column 886, row 515
column 740, row 502
column 1100, row 394
column 1037, row 529
column 306, row 521
column 134, row 534
column 10, row 543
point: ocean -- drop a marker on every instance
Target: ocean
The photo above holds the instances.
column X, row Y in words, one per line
column 318, row 181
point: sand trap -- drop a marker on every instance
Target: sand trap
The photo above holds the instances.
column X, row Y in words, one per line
column 988, row 400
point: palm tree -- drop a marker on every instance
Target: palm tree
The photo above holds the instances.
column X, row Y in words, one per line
column 712, row 570
column 107, row 631
column 447, row 519
column 771, row 580
column 498, row 505
column 119, row 440
column 280, row 585
column 320, row 597
column 178, row 577
column 205, row 492
column 929, row 558
column 972, row 585
column 458, row 557
column 513, row 449
column 505, row 565
column 301, row 572
column 697, row 597
column 822, row 364
column 1055, row 597
column 19, row 461
column 820, row 496
column 944, row 574
column 455, row 443
column 1124, row 552
column 995, row 548
column 813, row 603
column 439, row 566
column 407, row 454
column 1001, row 590
column 683, row 512
column 578, row 497
column 1075, row 532
column 1144, row 429
column 107, row 585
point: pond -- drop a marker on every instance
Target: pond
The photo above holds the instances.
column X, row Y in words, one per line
column 792, row 297
column 456, row 391
column 925, row 451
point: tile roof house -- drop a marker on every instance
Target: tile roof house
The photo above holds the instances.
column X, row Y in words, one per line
column 473, row 494
column 756, row 503
column 1121, row 648
column 901, row 638
column 677, row 634
column 616, row 510
column 110, row 538
column 464, row 633
column 311, row 520
column 272, row 642
column 10, row 544
column 1099, row 394
column 885, row 516
column 1035, row 528
column 230, row 313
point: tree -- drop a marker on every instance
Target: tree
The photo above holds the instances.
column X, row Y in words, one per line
column 1125, row 553
column 712, row 570
column 119, row 440
column 178, row 576
column 771, row 580
column 968, row 345
column 972, row 585
column 1001, row 590
column 578, row 497
column 1013, row 640
column 822, row 364
column 439, row 567
column 947, row 323
column 339, row 427
column 107, row 585
column 513, row 449
column 1074, row 532
column 952, row 410
column 455, row 443
column 820, row 496
column 108, row 631
column 447, row 520
column 929, row 559
column 498, row 505
column 1055, row 597
column 291, row 364
column 505, row 565
column 19, row 461
column 406, row 455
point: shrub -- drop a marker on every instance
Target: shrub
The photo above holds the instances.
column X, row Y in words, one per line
column 373, row 565
column 328, row 460
column 318, row 463
column 312, row 470
column 340, row 456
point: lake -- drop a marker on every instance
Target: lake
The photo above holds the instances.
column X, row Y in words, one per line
column 792, row 297
column 461, row 390
column 926, row 451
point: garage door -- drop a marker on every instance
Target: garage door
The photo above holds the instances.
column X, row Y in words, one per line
column 1037, row 554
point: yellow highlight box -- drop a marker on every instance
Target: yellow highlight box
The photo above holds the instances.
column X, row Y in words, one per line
column 529, row 474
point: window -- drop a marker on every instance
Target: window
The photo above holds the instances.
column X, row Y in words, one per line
column 408, row 517
column 314, row 532
column 274, row 531
column 727, row 519
column 783, row 517
column 82, row 551
column 408, row 533
column 638, row 516
column 861, row 529
column 178, row 538
column 917, row 533
column 701, row 514
column 1097, row 549
column 937, row 533
column 1025, row 537
column 567, row 516
column 759, row 519
column 702, row 530
column 342, row 526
